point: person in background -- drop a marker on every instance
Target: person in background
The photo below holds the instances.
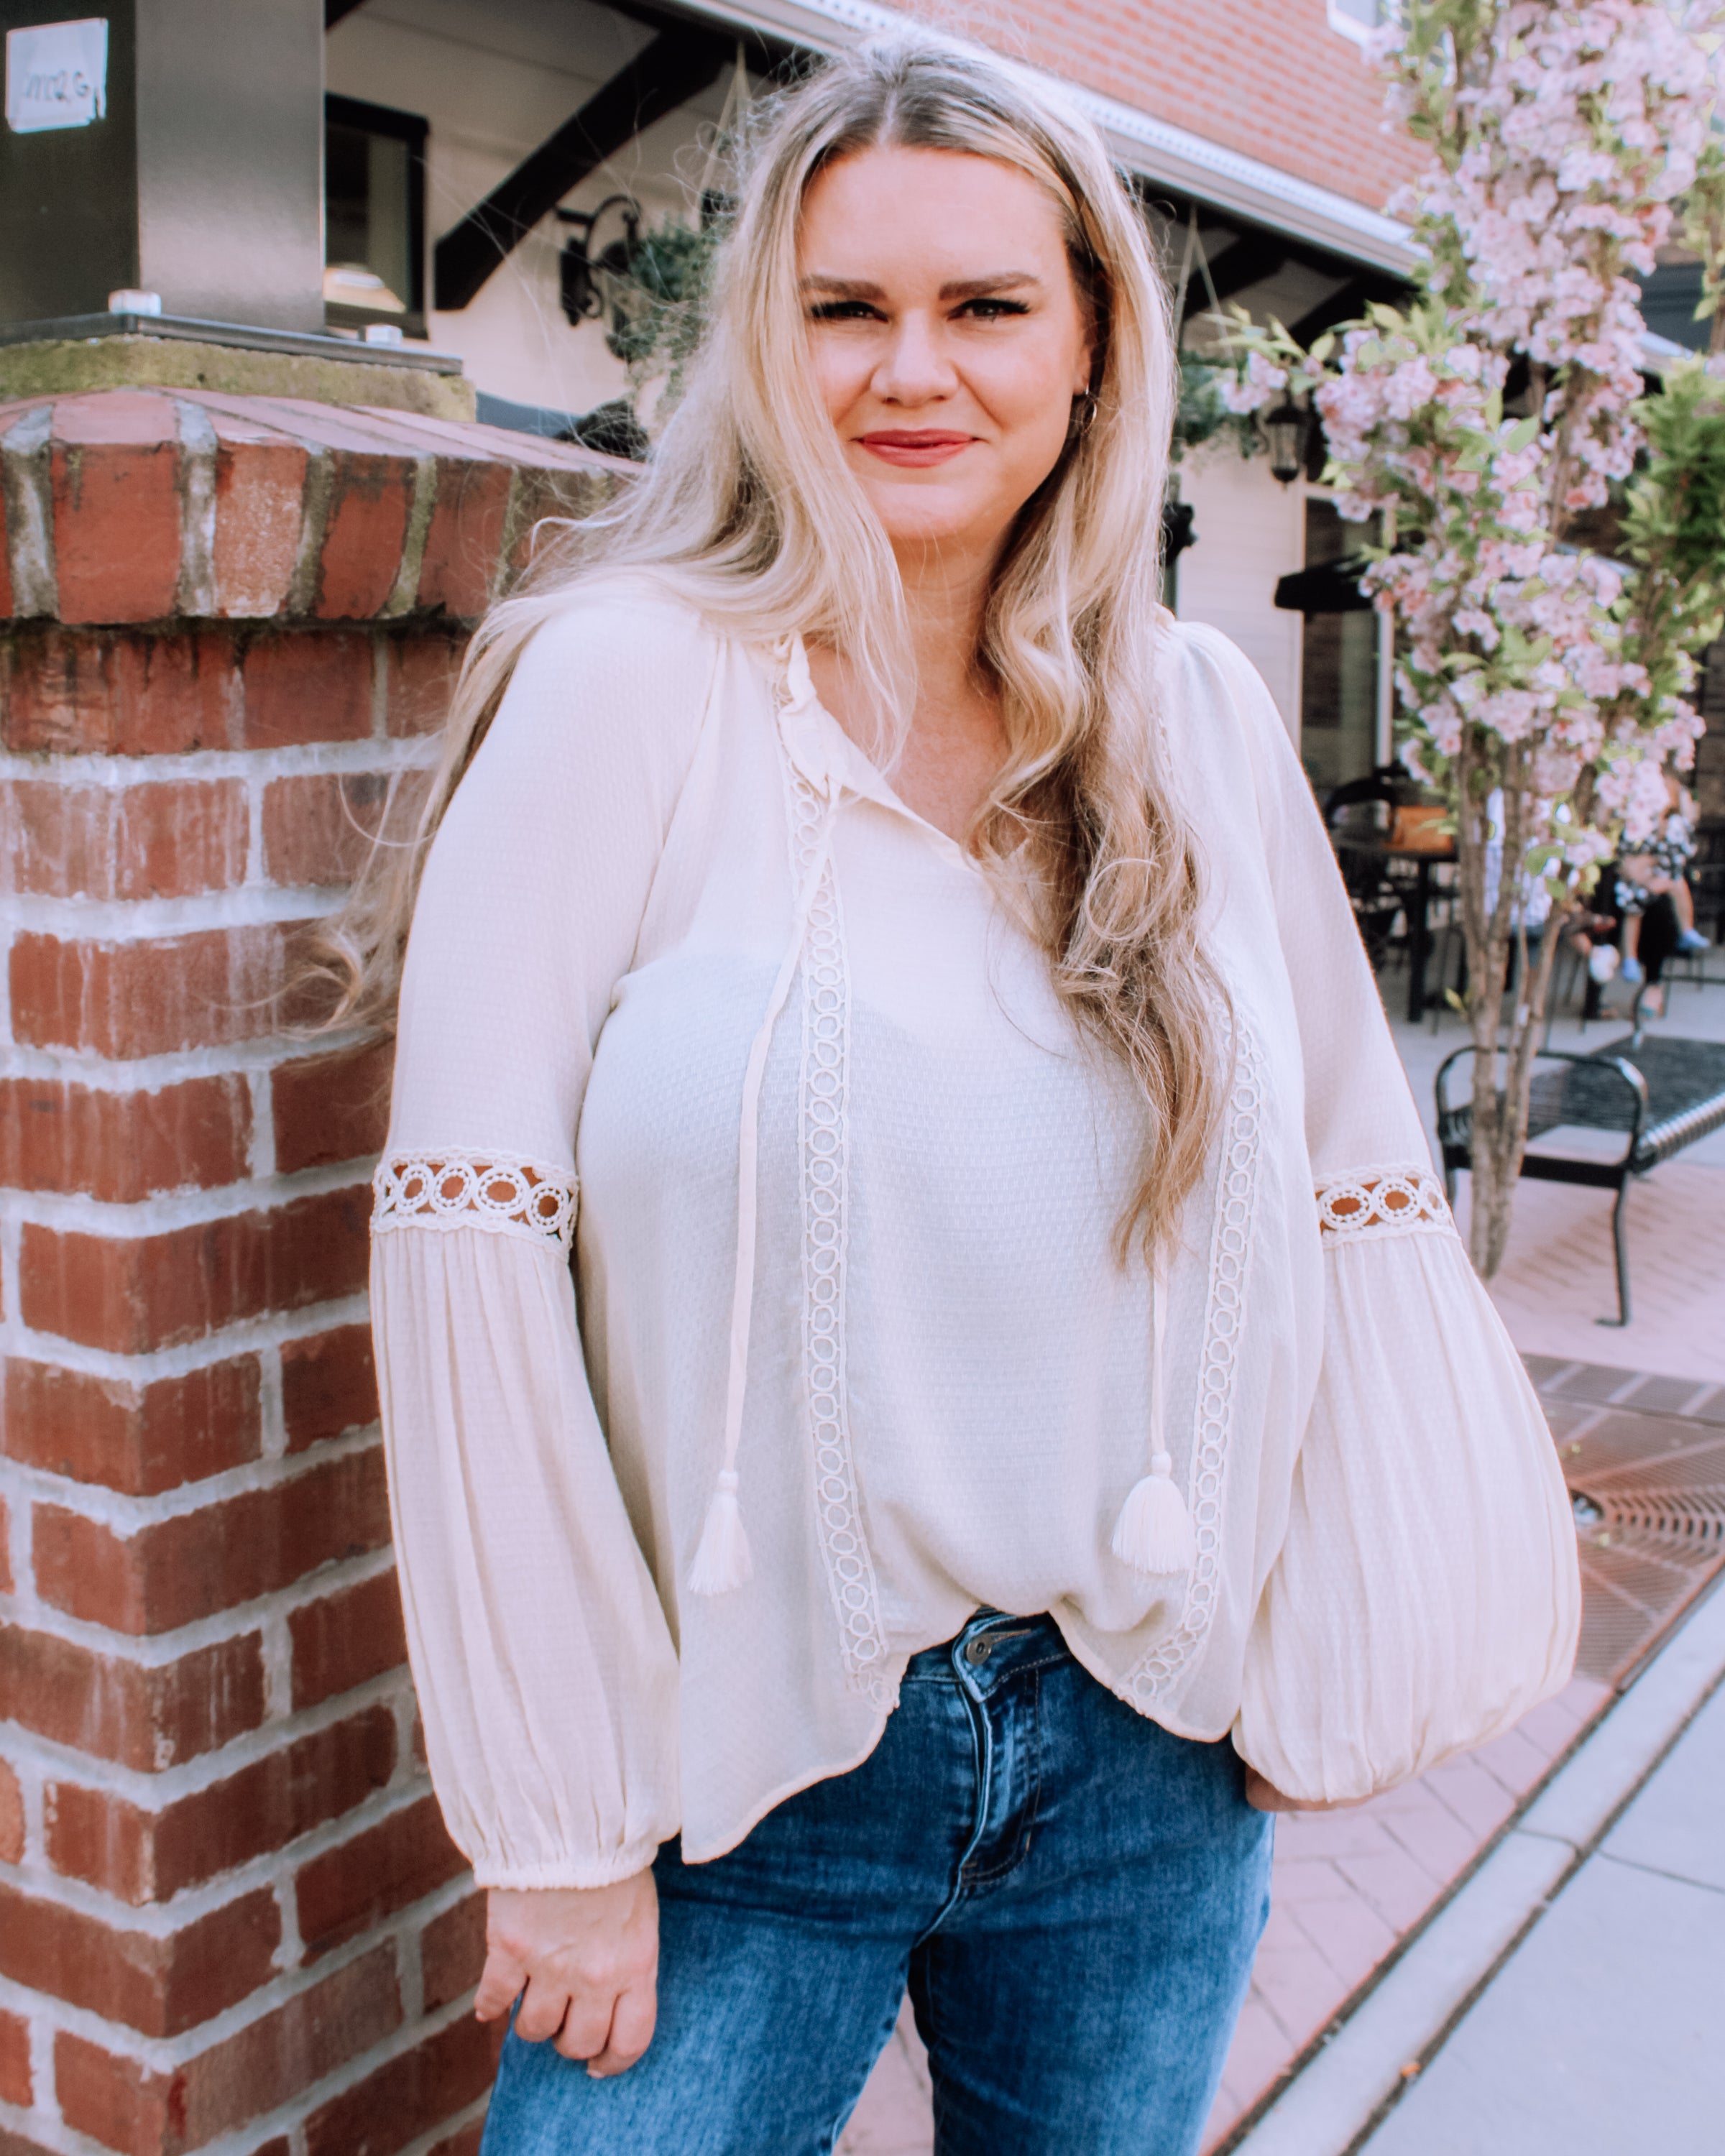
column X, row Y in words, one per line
column 1654, row 903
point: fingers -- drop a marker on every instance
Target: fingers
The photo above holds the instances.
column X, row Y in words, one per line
column 545, row 2009
column 586, row 2025
column 632, row 2025
column 500, row 1983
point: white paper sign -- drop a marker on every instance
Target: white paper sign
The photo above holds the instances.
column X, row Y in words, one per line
column 57, row 75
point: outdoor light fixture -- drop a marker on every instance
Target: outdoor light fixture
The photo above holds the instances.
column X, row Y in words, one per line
column 578, row 284
column 1286, row 427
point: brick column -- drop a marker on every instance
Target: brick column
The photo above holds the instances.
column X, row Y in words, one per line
column 230, row 1917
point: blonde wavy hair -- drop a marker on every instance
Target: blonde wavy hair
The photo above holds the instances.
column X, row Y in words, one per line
column 747, row 509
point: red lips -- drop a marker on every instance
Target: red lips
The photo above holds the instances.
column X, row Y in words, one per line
column 914, row 447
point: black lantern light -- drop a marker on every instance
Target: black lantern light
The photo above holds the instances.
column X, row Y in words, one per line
column 578, row 266
column 1286, row 428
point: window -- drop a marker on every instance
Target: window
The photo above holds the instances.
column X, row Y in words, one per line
column 374, row 217
column 1358, row 19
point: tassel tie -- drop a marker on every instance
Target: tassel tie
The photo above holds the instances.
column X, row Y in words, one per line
column 1154, row 1533
column 722, row 1560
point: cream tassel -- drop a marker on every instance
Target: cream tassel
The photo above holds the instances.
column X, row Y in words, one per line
column 722, row 1559
column 1154, row 1533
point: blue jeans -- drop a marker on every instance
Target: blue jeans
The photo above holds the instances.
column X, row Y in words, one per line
column 1072, row 1895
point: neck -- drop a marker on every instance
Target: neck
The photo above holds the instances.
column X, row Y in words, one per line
column 945, row 591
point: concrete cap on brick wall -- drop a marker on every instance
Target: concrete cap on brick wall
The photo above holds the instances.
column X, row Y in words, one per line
column 131, row 506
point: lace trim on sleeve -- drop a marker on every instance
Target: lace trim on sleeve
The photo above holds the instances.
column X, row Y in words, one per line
column 450, row 1189
column 1383, row 1201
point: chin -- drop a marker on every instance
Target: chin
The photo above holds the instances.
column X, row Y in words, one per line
column 929, row 524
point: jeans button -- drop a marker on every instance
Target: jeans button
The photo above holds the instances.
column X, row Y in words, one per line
column 980, row 1650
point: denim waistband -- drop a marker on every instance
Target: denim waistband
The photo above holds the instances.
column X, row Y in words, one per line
column 994, row 1644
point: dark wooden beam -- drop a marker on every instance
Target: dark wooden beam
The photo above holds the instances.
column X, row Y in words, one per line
column 1254, row 256
column 1347, row 306
column 337, row 11
column 675, row 67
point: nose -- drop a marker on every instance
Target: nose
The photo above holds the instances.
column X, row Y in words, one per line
column 914, row 369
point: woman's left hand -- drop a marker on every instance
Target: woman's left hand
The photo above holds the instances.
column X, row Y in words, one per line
column 1264, row 1797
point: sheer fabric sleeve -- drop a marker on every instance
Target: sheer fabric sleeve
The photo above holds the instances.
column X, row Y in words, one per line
column 545, row 1669
column 1426, row 1594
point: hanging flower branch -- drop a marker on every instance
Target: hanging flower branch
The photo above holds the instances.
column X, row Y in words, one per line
column 1542, row 686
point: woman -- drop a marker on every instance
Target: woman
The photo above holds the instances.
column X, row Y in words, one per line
column 1016, row 1342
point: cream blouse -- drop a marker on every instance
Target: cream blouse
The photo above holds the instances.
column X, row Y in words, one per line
column 687, row 983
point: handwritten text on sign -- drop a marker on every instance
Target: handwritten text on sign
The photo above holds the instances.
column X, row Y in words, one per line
column 56, row 75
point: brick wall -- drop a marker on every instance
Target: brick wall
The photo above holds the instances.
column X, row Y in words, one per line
column 230, row 1917
column 1268, row 78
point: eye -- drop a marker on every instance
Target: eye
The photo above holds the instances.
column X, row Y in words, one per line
column 991, row 309
column 844, row 310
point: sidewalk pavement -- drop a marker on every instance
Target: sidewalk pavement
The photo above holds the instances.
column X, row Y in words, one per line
column 1568, row 2000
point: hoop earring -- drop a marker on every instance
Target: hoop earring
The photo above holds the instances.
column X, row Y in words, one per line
column 1085, row 408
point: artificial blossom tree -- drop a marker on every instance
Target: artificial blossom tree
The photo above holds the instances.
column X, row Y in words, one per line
column 1544, row 686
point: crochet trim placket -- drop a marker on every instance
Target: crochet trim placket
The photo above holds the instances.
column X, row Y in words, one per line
column 823, row 1134
column 1224, row 1321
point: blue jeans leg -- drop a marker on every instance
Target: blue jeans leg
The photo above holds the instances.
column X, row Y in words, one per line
column 1073, row 1895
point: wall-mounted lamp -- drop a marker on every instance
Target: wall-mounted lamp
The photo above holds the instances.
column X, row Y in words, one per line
column 578, row 280
column 1286, row 428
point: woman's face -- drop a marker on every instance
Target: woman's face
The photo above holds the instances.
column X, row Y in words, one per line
column 948, row 337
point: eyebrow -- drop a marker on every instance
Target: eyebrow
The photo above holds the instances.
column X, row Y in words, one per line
column 969, row 288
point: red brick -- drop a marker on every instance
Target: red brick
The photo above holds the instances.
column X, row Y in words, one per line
column 14, row 2060
column 124, row 693
column 113, row 1709
column 465, row 2143
column 318, row 827
column 124, row 2106
column 308, row 685
column 409, row 2096
column 332, row 1108
column 12, row 1817
column 130, row 1293
column 465, row 543
column 346, row 1639
column 139, row 1439
column 363, row 535
column 149, row 999
column 143, row 1856
column 260, row 487
column 123, row 1147
column 178, row 1570
column 116, row 507
column 452, row 1951
column 160, row 840
column 159, row 1985
column 420, row 680
column 6, row 1579
column 381, row 1869
column 329, row 1384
